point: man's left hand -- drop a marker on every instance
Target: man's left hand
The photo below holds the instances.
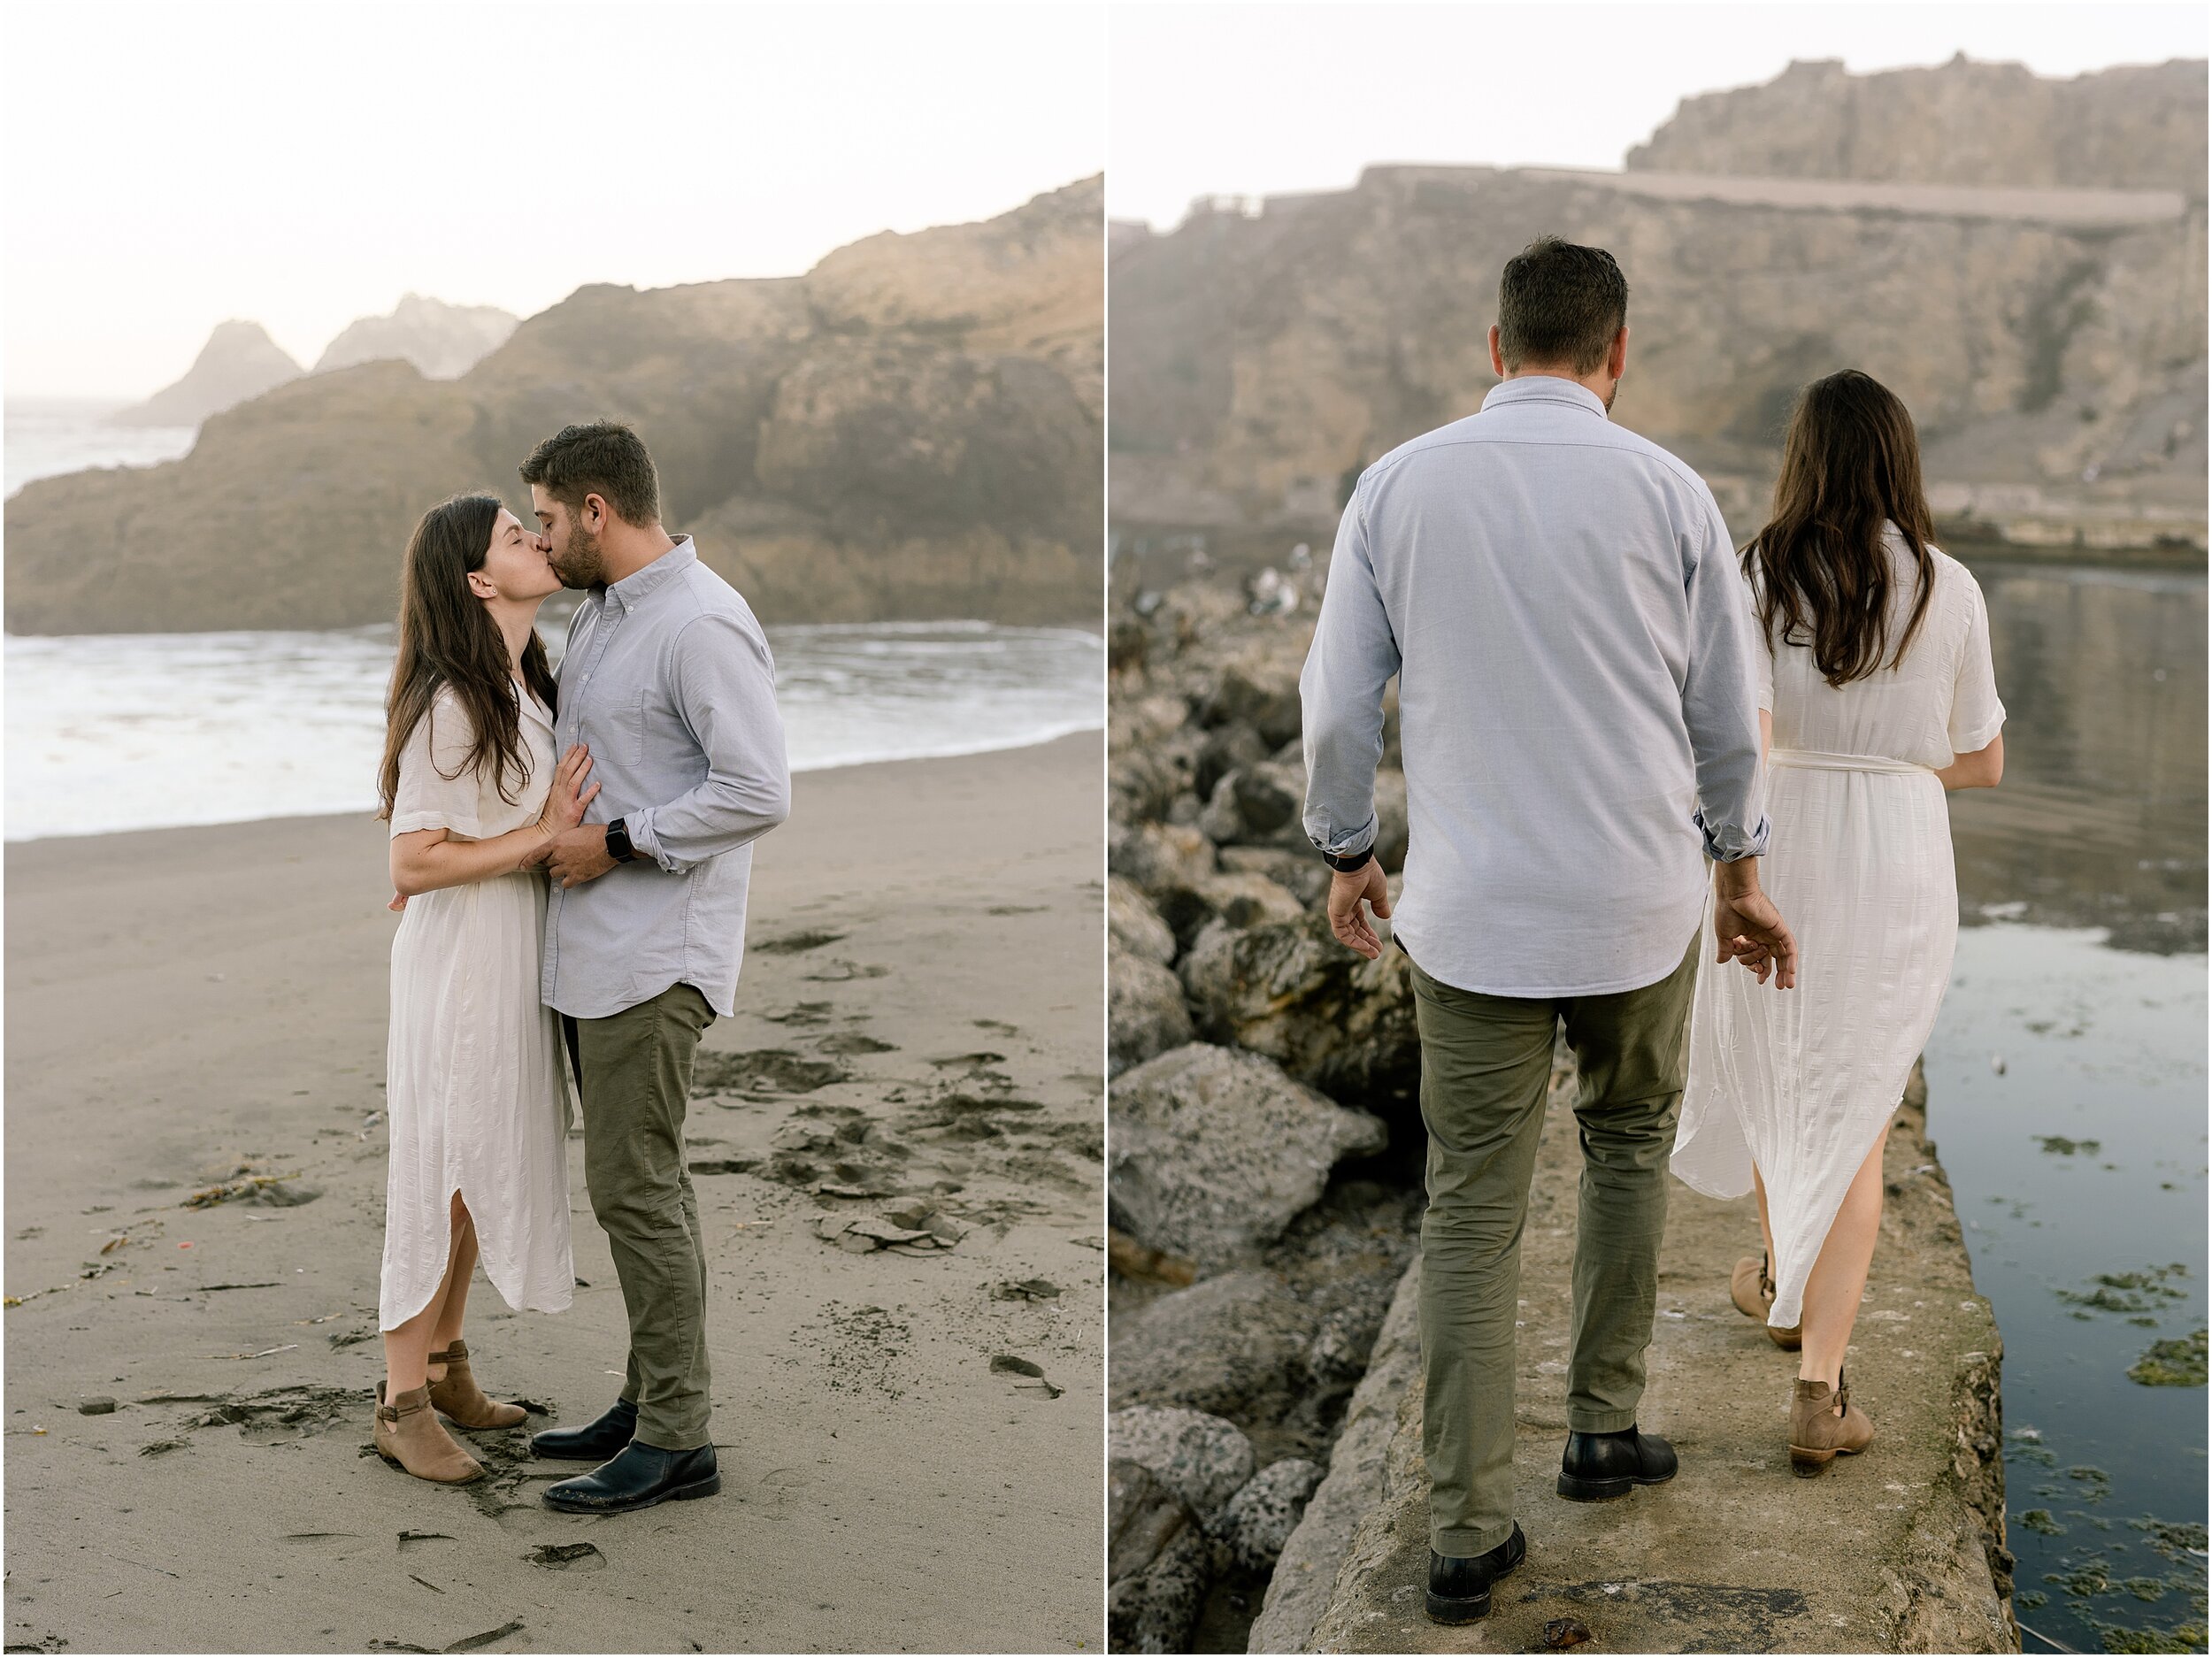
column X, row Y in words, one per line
column 579, row 855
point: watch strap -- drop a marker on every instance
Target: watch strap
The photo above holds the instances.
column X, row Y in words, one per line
column 1349, row 862
column 618, row 847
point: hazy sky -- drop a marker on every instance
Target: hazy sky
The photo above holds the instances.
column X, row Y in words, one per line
column 1247, row 100
column 168, row 166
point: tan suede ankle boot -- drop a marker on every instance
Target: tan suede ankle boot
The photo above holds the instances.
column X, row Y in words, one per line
column 1823, row 1424
column 458, row 1395
column 409, row 1436
column 1753, row 1292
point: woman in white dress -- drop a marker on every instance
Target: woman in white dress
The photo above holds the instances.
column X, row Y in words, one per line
column 1876, row 697
column 476, row 1095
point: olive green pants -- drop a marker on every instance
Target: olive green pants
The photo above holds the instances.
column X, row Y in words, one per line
column 634, row 1076
column 1486, row 1067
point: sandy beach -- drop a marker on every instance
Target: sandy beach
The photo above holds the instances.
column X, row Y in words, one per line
column 910, row 1435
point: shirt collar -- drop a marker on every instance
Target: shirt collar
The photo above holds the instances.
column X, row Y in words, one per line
column 1544, row 389
column 633, row 588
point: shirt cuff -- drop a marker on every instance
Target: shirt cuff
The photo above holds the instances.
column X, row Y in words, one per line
column 1348, row 845
column 645, row 842
column 1731, row 844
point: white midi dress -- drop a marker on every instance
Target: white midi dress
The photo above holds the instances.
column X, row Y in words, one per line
column 1801, row 1082
column 476, row 1086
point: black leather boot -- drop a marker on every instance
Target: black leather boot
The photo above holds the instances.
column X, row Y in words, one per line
column 594, row 1442
column 639, row 1475
column 1599, row 1467
column 1459, row 1588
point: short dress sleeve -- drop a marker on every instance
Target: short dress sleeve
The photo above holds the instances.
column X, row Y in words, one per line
column 1976, row 716
column 437, row 785
column 1762, row 648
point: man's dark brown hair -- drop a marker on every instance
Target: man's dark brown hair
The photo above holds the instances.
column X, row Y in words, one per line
column 1560, row 303
column 604, row 458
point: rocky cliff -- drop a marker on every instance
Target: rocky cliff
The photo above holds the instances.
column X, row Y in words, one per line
column 2137, row 127
column 2050, row 342
column 444, row 341
column 238, row 362
column 910, row 430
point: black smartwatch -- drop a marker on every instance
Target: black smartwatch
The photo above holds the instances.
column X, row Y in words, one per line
column 618, row 847
column 1350, row 862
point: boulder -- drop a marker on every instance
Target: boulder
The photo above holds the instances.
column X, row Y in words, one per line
column 1157, row 857
column 1234, row 1346
column 1145, row 1014
column 1134, row 925
column 1233, row 899
column 1157, row 1563
column 1288, row 990
column 1212, row 1152
column 1341, row 1348
column 1259, row 688
column 1259, row 1519
column 1301, row 873
column 1144, row 781
column 1261, row 804
column 1202, row 1460
column 1238, row 743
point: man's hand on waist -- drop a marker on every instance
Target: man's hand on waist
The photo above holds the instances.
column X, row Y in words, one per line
column 577, row 854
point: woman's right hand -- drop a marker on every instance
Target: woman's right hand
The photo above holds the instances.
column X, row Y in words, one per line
column 564, row 806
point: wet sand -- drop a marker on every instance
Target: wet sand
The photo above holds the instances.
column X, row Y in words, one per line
column 920, row 1011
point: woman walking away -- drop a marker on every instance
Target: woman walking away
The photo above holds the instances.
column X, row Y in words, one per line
column 1877, row 697
column 478, row 1100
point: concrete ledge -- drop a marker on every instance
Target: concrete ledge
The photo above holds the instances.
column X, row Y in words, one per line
column 1899, row 1550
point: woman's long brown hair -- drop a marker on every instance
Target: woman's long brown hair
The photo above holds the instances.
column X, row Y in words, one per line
column 1820, row 567
column 447, row 637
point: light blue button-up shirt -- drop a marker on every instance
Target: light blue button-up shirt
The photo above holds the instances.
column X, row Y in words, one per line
column 668, row 680
column 1561, row 604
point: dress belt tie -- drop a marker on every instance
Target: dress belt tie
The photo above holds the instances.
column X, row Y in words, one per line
column 1812, row 760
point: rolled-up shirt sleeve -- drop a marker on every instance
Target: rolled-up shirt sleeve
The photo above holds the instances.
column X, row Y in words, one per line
column 1720, row 701
column 725, row 688
column 1353, row 656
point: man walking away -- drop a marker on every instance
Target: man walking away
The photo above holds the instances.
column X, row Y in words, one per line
column 1560, row 603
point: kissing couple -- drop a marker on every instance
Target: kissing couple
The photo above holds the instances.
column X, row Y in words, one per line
column 1600, row 698
column 584, row 916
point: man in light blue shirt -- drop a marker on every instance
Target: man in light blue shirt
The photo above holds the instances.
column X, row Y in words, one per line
column 667, row 681
column 1560, row 603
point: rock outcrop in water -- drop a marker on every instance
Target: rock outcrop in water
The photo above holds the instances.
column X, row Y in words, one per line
column 443, row 341
column 2049, row 339
column 238, row 362
column 909, row 431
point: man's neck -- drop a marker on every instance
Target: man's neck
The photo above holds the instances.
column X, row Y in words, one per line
column 624, row 558
column 1600, row 385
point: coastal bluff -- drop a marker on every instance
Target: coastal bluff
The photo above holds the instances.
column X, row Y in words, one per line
column 2037, row 298
column 911, row 431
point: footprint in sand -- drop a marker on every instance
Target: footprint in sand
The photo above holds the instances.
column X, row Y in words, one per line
column 795, row 943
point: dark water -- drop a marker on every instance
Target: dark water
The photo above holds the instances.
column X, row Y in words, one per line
column 2082, row 975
